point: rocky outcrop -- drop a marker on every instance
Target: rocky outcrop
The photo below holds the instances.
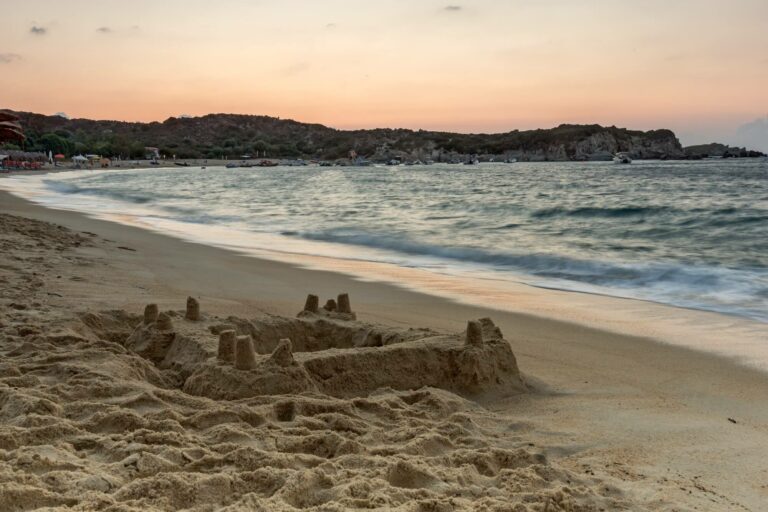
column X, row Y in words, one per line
column 715, row 150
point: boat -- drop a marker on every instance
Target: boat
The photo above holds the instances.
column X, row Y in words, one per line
column 232, row 165
column 621, row 158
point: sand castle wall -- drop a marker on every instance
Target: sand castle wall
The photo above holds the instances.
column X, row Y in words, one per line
column 442, row 362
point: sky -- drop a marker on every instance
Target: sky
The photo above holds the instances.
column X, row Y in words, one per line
column 699, row 67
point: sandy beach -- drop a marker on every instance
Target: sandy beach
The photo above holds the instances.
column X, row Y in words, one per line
column 92, row 419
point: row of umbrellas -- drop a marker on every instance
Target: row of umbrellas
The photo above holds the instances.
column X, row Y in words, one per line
column 15, row 154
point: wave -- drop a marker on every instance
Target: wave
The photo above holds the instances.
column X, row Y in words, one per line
column 689, row 278
column 590, row 211
column 161, row 209
column 70, row 188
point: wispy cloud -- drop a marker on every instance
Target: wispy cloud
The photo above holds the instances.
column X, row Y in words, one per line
column 296, row 68
column 104, row 30
column 330, row 25
column 452, row 8
column 7, row 58
column 38, row 30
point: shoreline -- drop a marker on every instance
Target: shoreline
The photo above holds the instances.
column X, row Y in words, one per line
column 697, row 329
column 650, row 415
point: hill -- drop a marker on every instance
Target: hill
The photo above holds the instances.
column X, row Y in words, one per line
column 230, row 135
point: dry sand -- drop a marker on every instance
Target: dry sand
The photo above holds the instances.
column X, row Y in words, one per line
column 104, row 407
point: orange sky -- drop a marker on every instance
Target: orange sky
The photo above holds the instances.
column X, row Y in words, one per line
column 697, row 66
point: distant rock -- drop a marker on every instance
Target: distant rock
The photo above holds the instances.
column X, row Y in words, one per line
column 716, row 150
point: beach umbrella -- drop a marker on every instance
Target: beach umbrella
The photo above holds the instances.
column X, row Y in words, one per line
column 10, row 130
column 79, row 158
column 59, row 156
column 7, row 116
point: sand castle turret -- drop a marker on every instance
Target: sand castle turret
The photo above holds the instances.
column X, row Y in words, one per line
column 330, row 305
column 193, row 309
column 283, row 353
column 150, row 314
column 474, row 333
column 164, row 322
column 490, row 331
column 313, row 303
column 227, row 345
column 343, row 303
column 245, row 355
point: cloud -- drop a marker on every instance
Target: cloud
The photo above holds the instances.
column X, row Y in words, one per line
column 38, row 31
column 7, row 58
column 296, row 68
column 330, row 25
column 452, row 8
column 104, row 30
column 62, row 114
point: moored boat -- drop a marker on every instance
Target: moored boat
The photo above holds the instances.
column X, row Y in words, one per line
column 622, row 158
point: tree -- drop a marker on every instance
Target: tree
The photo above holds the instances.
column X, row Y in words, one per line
column 55, row 144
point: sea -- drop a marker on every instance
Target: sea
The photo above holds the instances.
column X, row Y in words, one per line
column 692, row 234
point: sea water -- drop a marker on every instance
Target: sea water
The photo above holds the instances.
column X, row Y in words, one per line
column 689, row 234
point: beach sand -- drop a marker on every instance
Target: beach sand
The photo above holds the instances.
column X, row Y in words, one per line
column 101, row 412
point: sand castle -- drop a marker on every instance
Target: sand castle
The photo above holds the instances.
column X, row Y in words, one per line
column 245, row 355
column 340, row 308
column 313, row 304
column 150, row 314
column 474, row 333
column 193, row 309
column 321, row 350
column 226, row 351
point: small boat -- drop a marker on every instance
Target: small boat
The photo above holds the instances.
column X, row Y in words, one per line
column 232, row 166
column 182, row 164
column 621, row 158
